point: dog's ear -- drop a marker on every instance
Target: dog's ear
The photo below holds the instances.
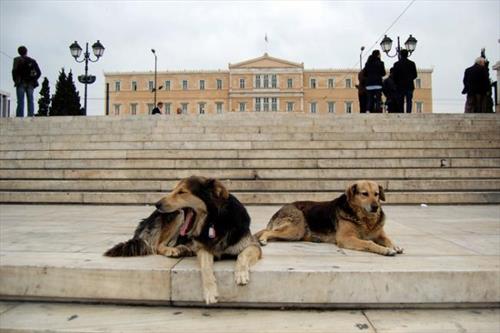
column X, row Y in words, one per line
column 381, row 193
column 217, row 188
column 351, row 191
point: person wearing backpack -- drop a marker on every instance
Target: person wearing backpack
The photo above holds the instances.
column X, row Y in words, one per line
column 25, row 73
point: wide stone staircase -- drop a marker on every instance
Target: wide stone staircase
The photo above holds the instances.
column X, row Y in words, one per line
column 263, row 158
column 52, row 251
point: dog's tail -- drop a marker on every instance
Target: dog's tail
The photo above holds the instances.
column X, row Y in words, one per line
column 132, row 248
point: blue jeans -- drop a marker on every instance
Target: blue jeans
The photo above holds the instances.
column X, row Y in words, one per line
column 408, row 95
column 21, row 90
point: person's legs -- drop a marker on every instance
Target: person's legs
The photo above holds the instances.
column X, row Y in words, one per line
column 409, row 100
column 371, row 100
column 469, row 104
column 29, row 97
column 20, row 89
column 400, row 104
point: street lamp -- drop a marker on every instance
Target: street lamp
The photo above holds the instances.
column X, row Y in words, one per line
column 154, row 88
column 76, row 51
column 361, row 58
column 410, row 46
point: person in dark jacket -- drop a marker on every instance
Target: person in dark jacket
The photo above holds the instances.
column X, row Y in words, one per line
column 25, row 74
column 157, row 108
column 373, row 72
column 405, row 72
column 476, row 85
column 361, row 86
column 390, row 91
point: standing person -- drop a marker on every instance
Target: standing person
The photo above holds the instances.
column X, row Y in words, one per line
column 361, row 86
column 157, row 109
column 373, row 72
column 25, row 74
column 476, row 85
column 390, row 91
column 405, row 71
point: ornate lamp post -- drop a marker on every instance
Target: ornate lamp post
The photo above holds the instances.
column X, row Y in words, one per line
column 76, row 51
column 154, row 88
column 410, row 46
column 361, row 58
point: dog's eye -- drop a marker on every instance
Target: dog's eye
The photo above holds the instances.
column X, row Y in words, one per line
column 376, row 194
column 365, row 194
column 181, row 192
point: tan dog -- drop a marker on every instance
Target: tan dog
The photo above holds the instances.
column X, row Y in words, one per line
column 354, row 220
column 217, row 223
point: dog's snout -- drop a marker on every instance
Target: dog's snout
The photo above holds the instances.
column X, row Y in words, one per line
column 374, row 207
column 158, row 205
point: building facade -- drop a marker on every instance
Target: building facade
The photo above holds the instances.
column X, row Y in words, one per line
column 264, row 84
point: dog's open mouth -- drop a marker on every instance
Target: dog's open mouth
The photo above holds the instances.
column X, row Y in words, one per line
column 189, row 218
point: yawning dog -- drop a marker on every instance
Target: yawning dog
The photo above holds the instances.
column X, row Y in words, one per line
column 217, row 223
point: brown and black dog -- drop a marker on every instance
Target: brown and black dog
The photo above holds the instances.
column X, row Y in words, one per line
column 217, row 224
column 355, row 221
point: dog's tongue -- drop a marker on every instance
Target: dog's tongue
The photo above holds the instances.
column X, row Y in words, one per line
column 187, row 224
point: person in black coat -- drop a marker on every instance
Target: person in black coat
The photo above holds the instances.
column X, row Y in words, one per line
column 390, row 91
column 373, row 72
column 405, row 72
column 476, row 85
column 25, row 74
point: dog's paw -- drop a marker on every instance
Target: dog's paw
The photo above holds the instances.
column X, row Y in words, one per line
column 211, row 295
column 398, row 249
column 242, row 277
column 262, row 241
column 390, row 252
column 172, row 252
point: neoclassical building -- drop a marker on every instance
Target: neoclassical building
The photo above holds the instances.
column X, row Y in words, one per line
column 263, row 84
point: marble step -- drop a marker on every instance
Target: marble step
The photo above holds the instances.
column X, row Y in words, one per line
column 252, row 198
column 295, row 185
column 54, row 253
column 24, row 317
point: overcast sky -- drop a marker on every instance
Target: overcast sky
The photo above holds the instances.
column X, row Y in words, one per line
column 211, row 34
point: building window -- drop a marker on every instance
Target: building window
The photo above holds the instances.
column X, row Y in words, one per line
column 134, row 85
column 274, row 81
column 150, row 85
column 133, row 109
column 348, row 107
column 219, row 107
column 348, row 83
column 313, row 107
column 243, row 107
column 331, row 107
column 150, row 107
column 257, row 81
column 419, row 107
column 257, row 104
column 117, row 109
column 117, row 85
column 418, row 83
column 219, row 84
column 331, row 82
column 289, row 106
column 266, row 81
column 201, row 108
column 312, row 84
column 242, row 83
column 202, row 84
column 289, row 83
column 168, row 107
column 274, row 104
column 184, row 84
column 167, row 85
column 266, row 104
column 184, row 108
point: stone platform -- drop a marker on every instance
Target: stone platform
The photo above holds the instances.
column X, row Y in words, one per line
column 451, row 259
